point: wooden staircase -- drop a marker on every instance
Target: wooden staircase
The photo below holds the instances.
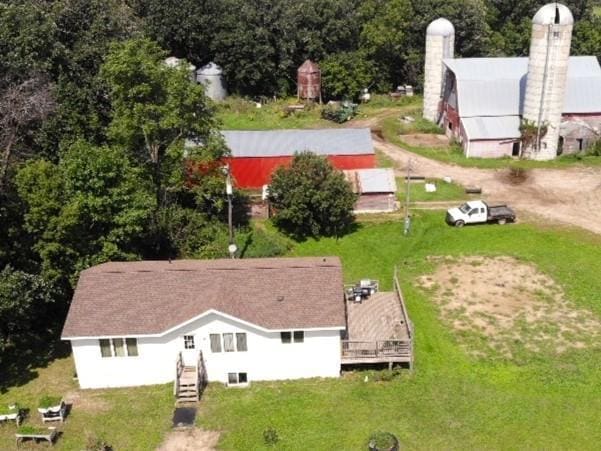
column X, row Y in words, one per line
column 189, row 380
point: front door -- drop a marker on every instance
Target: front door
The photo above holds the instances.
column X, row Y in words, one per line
column 189, row 349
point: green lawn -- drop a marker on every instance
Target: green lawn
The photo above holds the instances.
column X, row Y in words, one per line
column 128, row 419
column 392, row 130
column 451, row 400
column 417, row 191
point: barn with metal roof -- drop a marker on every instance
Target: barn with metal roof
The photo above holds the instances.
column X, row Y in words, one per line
column 256, row 154
column 537, row 107
column 483, row 101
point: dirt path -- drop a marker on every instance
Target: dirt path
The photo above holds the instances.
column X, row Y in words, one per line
column 568, row 196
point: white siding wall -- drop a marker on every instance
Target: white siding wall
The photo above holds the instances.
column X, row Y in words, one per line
column 489, row 148
column 267, row 357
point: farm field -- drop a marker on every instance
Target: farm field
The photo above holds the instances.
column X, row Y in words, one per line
column 462, row 395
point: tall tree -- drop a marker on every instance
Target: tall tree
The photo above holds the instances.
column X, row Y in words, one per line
column 22, row 104
column 156, row 108
column 24, row 299
column 91, row 207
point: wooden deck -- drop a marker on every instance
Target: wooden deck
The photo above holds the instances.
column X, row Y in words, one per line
column 378, row 330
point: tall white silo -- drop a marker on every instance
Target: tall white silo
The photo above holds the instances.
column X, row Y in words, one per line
column 440, row 42
column 211, row 76
column 547, row 76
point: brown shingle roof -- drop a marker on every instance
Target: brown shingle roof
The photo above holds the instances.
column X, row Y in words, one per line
column 152, row 297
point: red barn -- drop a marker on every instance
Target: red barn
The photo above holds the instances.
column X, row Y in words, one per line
column 256, row 154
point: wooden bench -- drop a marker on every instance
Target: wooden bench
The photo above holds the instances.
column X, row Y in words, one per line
column 39, row 435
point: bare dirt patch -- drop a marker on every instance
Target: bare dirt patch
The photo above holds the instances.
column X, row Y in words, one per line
column 502, row 307
column 88, row 401
column 193, row 439
column 565, row 196
column 425, row 140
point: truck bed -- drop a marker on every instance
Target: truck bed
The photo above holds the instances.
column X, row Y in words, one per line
column 500, row 212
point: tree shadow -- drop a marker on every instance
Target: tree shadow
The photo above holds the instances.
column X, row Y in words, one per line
column 19, row 363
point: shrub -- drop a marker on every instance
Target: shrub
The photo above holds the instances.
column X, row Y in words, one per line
column 594, row 149
column 270, row 436
column 382, row 441
column 311, row 198
column 94, row 443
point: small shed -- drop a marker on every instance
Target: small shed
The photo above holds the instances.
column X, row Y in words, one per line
column 376, row 188
column 309, row 81
column 211, row 76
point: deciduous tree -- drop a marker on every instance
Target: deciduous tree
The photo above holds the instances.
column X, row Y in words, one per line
column 311, row 198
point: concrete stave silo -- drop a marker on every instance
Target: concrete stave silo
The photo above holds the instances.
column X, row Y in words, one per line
column 440, row 43
column 211, row 76
column 546, row 79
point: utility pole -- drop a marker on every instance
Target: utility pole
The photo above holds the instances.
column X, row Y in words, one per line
column 407, row 226
column 229, row 190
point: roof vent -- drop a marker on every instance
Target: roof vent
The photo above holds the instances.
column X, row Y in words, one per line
column 280, row 298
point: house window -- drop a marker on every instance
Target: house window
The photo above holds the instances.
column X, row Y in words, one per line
column 237, row 378
column 118, row 347
column 286, row 337
column 105, row 348
column 241, row 342
column 132, row 347
column 299, row 336
column 228, row 343
column 580, row 142
column 215, row 342
column 188, row 341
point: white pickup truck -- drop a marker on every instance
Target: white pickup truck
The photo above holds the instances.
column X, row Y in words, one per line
column 479, row 212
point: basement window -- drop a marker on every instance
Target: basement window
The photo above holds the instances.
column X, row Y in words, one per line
column 237, row 378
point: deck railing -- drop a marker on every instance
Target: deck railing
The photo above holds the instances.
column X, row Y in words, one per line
column 356, row 351
column 179, row 368
column 408, row 323
column 353, row 349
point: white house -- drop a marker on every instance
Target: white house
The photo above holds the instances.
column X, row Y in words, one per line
column 255, row 319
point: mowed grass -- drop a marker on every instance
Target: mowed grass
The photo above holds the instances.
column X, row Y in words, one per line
column 393, row 130
column 451, row 400
column 127, row 418
column 417, row 191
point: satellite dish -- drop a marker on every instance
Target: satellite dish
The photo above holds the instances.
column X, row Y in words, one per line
column 232, row 248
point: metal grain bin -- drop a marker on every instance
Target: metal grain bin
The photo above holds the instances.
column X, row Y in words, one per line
column 211, row 76
column 309, row 81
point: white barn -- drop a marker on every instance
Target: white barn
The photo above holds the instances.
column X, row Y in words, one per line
column 256, row 319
